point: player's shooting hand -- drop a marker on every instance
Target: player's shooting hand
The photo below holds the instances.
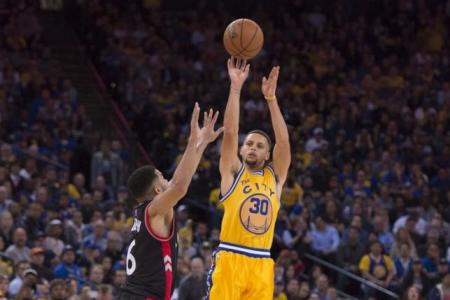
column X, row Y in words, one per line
column 269, row 85
column 238, row 70
column 206, row 134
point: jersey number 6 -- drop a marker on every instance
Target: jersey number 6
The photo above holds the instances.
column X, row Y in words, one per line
column 131, row 261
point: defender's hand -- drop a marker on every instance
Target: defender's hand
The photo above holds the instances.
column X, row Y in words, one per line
column 206, row 134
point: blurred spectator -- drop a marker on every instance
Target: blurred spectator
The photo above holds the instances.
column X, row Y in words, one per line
column 316, row 142
column 16, row 284
column 37, row 255
column 293, row 289
column 4, row 283
column 77, row 187
column 416, row 276
column 53, row 240
column 403, row 263
column 67, row 268
column 325, row 239
column 279, row 293
column 120, row 277
column 18, row 251
column 381, row 229
column 107, row 164
column 402, row 236
column 349, row 254
column 377, row 268
column 58, row 289
column 97, row 238
column 321, row 288
column 441, row 290
column 431, row 260
column 96, row 276
column 193, row 286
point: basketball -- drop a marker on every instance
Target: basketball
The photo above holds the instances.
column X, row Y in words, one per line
column 243, row 38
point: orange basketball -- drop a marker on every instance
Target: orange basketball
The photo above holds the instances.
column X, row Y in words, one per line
column 243, row 38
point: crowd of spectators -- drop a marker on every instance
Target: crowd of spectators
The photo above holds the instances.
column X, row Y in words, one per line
column 63, row 218
column 365, row 90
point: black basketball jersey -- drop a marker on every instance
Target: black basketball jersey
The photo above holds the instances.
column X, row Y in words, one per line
column 151, row 260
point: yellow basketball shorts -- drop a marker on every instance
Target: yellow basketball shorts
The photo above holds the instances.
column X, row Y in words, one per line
column 239, row 272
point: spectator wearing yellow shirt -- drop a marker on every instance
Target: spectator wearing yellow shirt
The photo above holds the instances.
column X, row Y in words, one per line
column 279, row 291
column 377, row 268
column 76, row 187
column 214, row 196
column 292, row 193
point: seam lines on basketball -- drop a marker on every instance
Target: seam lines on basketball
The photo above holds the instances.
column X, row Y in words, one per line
column 251, row 40
column 240, row 37
column 242, row 49
column 232, row 43
column 236, row 49
column 259, row 46
column 254, row 49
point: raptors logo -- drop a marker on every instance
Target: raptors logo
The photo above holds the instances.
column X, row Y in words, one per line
column 256, row 214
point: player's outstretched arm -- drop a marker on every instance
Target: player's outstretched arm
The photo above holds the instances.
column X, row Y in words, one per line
column 229, row 162
column 282, row 149
column 198, row 140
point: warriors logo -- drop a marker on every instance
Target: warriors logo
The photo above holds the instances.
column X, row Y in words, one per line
column 256, row 214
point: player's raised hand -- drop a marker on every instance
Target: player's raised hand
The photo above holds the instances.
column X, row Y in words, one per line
column 238, row 70
column 206, row 134
column 269, row 85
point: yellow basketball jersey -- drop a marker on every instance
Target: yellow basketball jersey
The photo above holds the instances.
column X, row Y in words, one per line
column 251, row 208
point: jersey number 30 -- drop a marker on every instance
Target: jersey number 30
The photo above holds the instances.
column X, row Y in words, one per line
column 131, row 261
column 259, row 206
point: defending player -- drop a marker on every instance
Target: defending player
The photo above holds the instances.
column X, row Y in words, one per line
column 250, row 190
column 152, row 251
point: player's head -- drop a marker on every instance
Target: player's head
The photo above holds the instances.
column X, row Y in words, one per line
column 144, row 183
column 255, row 150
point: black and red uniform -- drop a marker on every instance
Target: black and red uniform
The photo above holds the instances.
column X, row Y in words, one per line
column 151, row 260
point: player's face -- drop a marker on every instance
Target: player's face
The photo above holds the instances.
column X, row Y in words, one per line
column 255, row 150
column 161, row 184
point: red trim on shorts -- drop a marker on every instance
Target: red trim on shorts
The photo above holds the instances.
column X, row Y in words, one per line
column 151, row 232
column 148, row 298
column 167, row 252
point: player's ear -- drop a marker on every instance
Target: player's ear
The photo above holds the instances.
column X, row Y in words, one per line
column 241, row 151
column 157, row 189
column 267, row 156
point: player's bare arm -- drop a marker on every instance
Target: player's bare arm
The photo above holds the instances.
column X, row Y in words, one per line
column 163, row 203
column 282, row 148
column 229, row 162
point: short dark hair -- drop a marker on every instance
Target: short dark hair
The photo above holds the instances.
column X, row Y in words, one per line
column 258, row 131
column 56, row 282
column 140, row 180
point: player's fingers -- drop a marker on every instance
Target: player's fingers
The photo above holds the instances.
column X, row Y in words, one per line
column 210, row 116
column 272, row 73
column 244, row 65
column 195, row 112
column 247, row 68
column 205, row 119
column 214, row 119
column 264, row 79
column 229, row 65
column 218, row 132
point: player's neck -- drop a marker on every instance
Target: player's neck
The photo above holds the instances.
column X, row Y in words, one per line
column 254, row 168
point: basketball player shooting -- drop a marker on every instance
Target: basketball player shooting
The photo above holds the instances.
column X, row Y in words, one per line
column 250, row 189
column 152, row 252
